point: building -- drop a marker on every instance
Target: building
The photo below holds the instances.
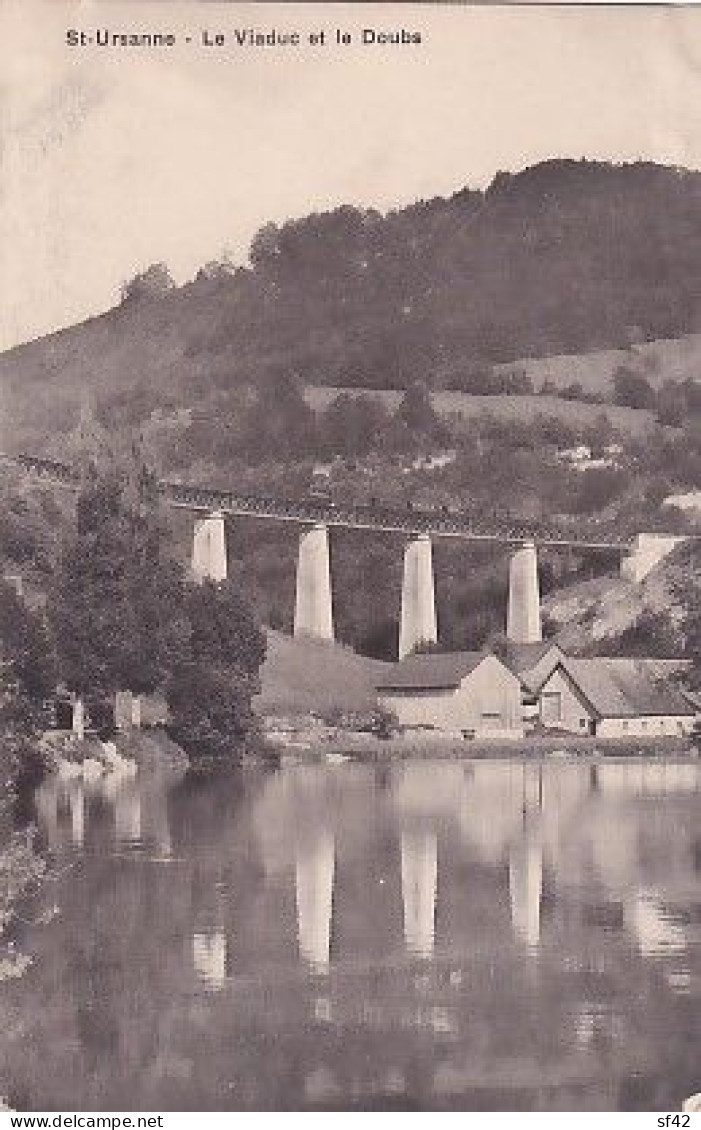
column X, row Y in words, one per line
column 468, row 693
column 615, row 698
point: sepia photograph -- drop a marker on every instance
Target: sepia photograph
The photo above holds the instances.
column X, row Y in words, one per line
column 350, row 559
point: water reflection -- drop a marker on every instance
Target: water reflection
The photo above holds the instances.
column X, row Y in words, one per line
column 209, row 958
column 525, row 889
column 492, row 935
column 136, row 810
column 419, row 854
column 76, row 801
column 654, row 929
column 314, row 877
column 127, row 813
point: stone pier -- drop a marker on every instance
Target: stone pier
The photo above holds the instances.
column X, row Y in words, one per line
column 209, row 548
column 418, row 624
column 523, row 624
column 313, row 604
column 78, row 717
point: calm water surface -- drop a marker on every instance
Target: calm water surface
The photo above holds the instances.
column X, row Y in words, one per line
column 475, row 936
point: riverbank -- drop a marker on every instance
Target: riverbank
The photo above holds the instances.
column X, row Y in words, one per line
column 22, row 867
column 144, row 751
column 311, row 739
column 21, row 870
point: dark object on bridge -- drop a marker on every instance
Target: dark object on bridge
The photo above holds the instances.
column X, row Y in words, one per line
column 63, row 714
column 319, row 493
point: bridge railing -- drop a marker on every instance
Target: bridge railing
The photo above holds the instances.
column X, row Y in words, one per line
column 479, row 525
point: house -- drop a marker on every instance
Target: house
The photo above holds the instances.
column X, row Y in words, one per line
column 468, row 693
column 615, row 698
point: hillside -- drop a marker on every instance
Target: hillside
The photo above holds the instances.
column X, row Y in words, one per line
column 235, row 378
column 567, row 260
column 305, row 675
column 589, row 616
column 575, row 413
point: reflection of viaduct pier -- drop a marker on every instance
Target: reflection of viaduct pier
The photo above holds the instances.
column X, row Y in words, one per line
column 313, row 618
column 383, row 930
column 474, row 870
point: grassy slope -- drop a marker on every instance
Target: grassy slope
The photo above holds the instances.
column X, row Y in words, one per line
column 466, row 405
column 674, row 359
column 301, row 675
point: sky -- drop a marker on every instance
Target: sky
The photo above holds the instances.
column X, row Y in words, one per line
column 113, row 159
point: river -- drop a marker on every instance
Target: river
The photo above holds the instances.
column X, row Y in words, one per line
column 487, row 935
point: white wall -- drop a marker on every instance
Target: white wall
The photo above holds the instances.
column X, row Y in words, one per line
column 646, row 727
column 489, row 690
column 574, row 713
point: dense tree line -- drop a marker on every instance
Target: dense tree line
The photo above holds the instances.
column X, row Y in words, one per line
column 121, row 614
column 567, row 256
column 674, row 402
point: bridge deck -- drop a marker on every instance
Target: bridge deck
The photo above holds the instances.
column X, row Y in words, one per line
column 486, row 527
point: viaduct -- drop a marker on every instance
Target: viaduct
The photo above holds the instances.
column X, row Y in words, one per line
column 313, row 616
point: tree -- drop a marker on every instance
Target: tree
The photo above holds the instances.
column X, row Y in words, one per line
column 651, row 634
column 598, row 487
column 687, row 591
column 89, row 607
column 27, row 678
column 19, row 726
column 126, row 618
column 631, row 389
column 114, row 607
column 280, row 421
column 154, row 282
column 416, row 410
column 353, row 425
column 211, row 712
column 210, row 690
column 26, row 647
column 223, row 630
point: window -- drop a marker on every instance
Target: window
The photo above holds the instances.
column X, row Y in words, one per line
column 625, row 725
column 551, row 706
column 491, row 720
column 582, row 723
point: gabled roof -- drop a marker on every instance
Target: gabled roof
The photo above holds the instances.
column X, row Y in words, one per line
column 693, row 697
column 524, row 656
column 533, row 662
column 434, row 670
column 627, row 688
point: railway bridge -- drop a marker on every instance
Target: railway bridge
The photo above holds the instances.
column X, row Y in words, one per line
column 317, row 514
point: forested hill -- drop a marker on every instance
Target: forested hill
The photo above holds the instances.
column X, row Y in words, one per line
column 564, row 257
